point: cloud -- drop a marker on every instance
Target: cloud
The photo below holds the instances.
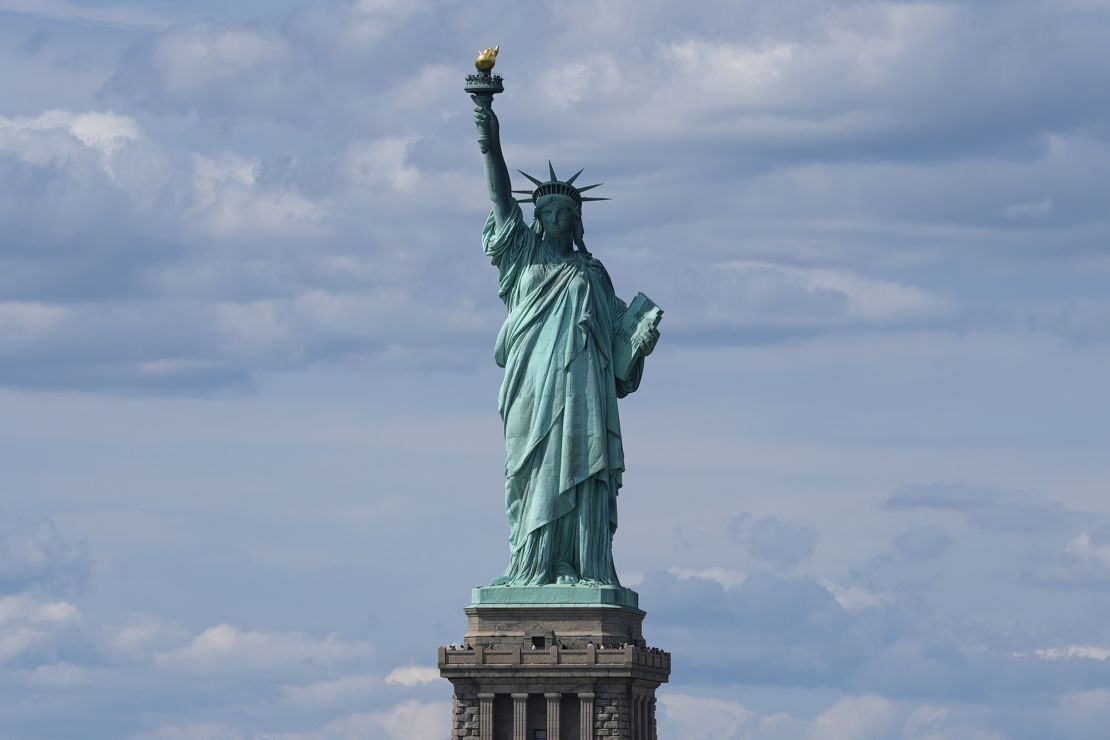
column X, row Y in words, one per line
column 193, row 731
column 996, row 509
column 34, row 555
column 852, row 598
column 920, row 541
column 344, row 691
column 119, row 16
column 1085, row 713
column 144, row 635
column 225, row 649
column 1089, row 652
column 35, row 140
column 781, row 543
column 1083, row 563
column 702, row 718
column 858, row 718
column 412, row 675
column 724, row 577
column 848, row 717
column 32, row 630
column 1031, row 210
column 383, row 162
column 794, row 630
column 410, row 720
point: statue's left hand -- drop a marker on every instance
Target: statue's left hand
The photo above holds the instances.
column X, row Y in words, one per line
column 645, row 343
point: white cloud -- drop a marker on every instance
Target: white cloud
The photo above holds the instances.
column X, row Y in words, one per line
column 101, row 131
column 724, row 577
column 1091, row 545
column 31, row 627
column 853, row 297
column 231, row 202
column 698, row 718
column 145, row 634
column 567, row 84
column 225, row 648
column 852, row 598
column 192, row 731
column 412, row 675
column 1088, row 652
column 858, row 718
column 384, row 161
column 410, row 720
column 850, row 717
column 192, row 61
column 344, row 691
column 1084, row 562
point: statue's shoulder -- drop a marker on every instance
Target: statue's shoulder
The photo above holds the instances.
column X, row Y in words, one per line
column 597, row 264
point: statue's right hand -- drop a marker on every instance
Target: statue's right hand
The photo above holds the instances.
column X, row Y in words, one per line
column 486, row 121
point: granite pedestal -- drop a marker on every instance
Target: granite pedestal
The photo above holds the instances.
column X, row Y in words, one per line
column 554, row 663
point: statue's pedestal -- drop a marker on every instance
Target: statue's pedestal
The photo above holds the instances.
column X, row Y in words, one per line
column 568, row 661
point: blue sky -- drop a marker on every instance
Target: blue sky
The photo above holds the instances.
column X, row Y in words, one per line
column 250, row 453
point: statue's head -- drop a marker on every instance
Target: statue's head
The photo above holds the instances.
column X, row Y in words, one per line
column 559, row 215
column 558, row 205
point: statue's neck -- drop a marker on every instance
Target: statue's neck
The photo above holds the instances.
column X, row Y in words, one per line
column 562, row 246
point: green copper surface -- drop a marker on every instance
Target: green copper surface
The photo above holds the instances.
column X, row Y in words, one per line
column 565, row 327
column 555, row 595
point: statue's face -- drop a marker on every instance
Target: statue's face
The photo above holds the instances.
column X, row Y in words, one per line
column 559, row 216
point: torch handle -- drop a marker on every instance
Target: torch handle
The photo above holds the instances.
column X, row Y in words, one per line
column 484, row 100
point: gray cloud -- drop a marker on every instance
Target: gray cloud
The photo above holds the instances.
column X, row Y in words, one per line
column 922, row 542
column 990, row 508
column 770, row 539
column 1084, row 562
column 33, row 555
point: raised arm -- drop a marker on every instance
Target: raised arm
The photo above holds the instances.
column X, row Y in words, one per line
column 497, row 173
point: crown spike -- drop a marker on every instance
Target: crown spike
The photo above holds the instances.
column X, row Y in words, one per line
column 584, row 199
column 574, row 177
column 590, row 187
column 551, row 169
column 536, row 181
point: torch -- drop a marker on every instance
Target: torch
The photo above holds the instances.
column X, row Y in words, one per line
column 484, row 85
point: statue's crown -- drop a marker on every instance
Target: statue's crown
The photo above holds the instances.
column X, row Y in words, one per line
column 555, row 186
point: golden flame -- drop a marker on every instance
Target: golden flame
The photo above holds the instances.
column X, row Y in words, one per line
column 486, row 59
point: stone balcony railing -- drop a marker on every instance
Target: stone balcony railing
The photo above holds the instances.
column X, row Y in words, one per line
column 629, row 656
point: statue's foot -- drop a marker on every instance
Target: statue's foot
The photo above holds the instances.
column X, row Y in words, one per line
column 590, row 582
column 565, row 574
column 500, row 581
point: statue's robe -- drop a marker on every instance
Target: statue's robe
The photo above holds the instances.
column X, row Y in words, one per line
column 558, row 402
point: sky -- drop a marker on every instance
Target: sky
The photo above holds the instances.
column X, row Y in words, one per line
column 250, row 457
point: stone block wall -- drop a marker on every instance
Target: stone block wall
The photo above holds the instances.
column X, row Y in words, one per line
column 613, row 712
column 465, row 714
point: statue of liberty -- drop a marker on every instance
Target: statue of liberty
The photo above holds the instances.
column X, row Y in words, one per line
column 570, row 348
